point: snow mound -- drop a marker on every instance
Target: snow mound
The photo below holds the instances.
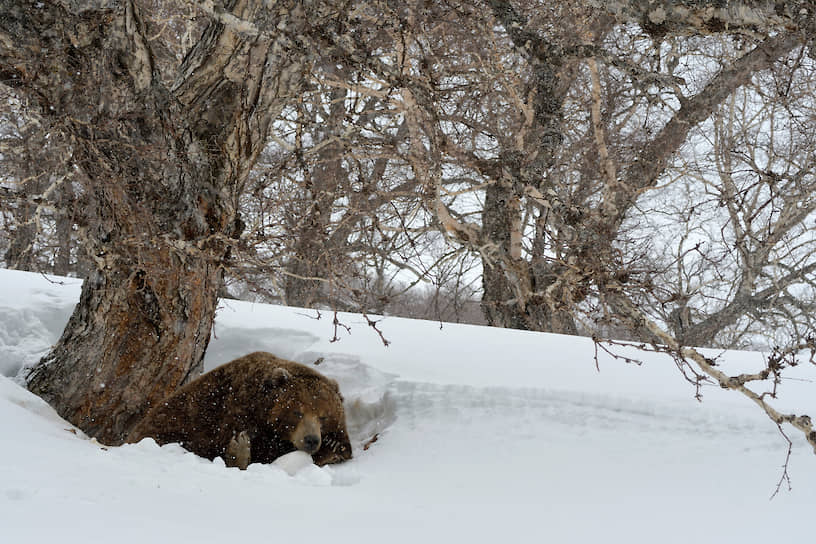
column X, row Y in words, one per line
column 367, row 392
column 229, row 343
column 24, row 338
column 460, row 433
column 293, row 462
column 33, row 311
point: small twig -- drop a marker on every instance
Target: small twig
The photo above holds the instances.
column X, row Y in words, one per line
column 373, row 325
column 370, row 441
column 688, row 372
column 595, row 341
column 785, row 478
column 336, row 322
column 617, row 356
column 49, row 280
column 316, row 318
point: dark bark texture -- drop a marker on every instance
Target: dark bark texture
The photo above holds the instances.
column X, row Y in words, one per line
column 573, row 252
column 162, row 164
column 518, row 293
column 313, row 256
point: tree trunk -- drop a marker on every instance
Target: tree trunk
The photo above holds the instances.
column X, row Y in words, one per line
column 137, row 333
column 20, row 254
column 505, row 286
column 64, row 230
column 161, row 168
column 314, row 261
column 518, row 292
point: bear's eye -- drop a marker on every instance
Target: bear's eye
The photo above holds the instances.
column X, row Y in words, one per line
column 323, row 419
column 298, row 414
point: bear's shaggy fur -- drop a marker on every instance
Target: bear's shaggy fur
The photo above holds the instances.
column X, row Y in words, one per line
column 253, row 410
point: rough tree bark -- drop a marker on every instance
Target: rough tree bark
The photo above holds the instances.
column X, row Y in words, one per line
column 691, row 17
column 20, row 253
column 509, row 280
column 539, row 293
column 309, row 269
column 162, row 164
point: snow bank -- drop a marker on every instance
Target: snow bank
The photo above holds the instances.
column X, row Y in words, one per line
column 33, row 311
column 461, row 434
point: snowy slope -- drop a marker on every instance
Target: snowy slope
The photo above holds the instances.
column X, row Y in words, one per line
column 483, row 435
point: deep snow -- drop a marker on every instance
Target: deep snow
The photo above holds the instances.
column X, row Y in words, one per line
column 483, row 434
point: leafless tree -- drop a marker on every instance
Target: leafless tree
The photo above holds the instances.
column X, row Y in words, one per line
column 164, row 146
column 543, row 139
column 567, row 125
column 741, row 273
column 39, row 207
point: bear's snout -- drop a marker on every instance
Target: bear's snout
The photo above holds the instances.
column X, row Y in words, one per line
column 311, row 443
column 307, row 434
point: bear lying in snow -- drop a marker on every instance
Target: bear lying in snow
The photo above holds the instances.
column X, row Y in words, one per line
column 253, row 410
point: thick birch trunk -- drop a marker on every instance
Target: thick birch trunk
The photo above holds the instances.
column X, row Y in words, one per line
column 162, row 167
column 139, row 331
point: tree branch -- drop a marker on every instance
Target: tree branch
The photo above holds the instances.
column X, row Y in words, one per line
column 802, row 423
column 654, row 157
column 695, row 17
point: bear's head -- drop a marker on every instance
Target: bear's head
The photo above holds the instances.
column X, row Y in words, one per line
column 308, row 413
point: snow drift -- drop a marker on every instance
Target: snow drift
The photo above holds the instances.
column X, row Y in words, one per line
column 461, row 433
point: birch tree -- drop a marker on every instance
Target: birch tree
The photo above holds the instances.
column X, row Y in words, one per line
column 165, row 145
column 573, row 120
column 571, row 147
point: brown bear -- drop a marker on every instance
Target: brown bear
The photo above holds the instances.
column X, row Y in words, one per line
column 253, row 410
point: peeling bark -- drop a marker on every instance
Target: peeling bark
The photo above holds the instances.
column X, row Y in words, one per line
column 541, row 291
column 700, row 17
column 161, row 166
column 136, row 334
column 313, row 258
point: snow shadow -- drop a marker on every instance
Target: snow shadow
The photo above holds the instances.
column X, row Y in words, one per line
column 368, row 398
column 26, row 334
column 228, row 343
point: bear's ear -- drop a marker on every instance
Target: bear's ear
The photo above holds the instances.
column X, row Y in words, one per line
column 336, row 387
column 277, row 378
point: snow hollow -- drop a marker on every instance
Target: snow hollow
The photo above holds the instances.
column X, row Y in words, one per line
column 483, row 435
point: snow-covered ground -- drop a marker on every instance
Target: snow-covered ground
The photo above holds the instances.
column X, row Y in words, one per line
column 484, row 435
